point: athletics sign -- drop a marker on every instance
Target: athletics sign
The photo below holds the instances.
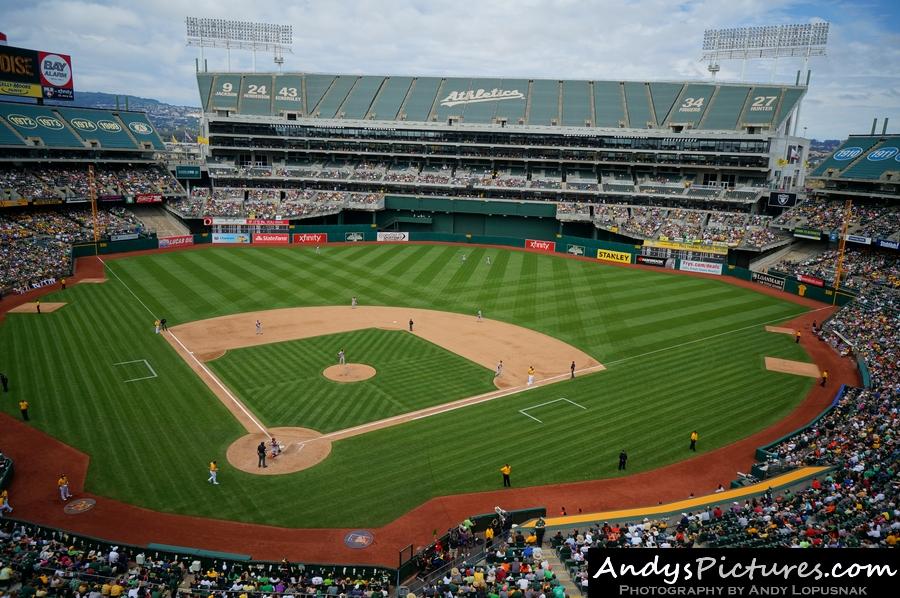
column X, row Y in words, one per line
column 471, row 96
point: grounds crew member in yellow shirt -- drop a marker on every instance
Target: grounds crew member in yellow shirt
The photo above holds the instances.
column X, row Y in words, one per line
column 63, row 484
column 694, row 438
column 824, row 378
column 213, row 472
column 506, row 470
column 23, row 409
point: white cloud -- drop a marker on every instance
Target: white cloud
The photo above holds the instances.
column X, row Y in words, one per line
column 138, row 47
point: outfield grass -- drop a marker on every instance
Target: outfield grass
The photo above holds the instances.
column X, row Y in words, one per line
column 283, row 384
column 682, row 353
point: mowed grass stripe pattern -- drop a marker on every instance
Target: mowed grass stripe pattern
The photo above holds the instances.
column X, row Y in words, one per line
column 150, row 441
column 283, row 384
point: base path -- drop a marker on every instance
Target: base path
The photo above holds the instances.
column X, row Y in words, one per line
column 485, row 342
column 31, row 308
column 788, row 366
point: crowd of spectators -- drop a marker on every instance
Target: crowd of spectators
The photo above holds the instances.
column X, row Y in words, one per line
column 64, row 182
column 880, row 221
column 861, row 268
column 35, row 561
column 27, row 263
column 573, row 211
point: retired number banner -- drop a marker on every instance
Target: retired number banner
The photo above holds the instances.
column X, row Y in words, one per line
column 742, row 572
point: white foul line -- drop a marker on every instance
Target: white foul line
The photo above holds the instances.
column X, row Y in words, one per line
column 522, row 411
column 191, row 354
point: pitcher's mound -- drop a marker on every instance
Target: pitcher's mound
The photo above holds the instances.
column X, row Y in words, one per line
column 31, row 308
column 302, row 448
column 349, row 372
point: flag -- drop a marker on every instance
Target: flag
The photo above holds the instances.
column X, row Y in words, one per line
column 173, row 139
column 202, row 140
column 2, row 39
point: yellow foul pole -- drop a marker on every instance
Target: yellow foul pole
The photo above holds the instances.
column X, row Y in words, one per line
column 92, row 189
column 842, row 245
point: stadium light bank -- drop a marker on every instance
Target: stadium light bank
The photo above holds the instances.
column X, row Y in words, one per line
column 240, row 35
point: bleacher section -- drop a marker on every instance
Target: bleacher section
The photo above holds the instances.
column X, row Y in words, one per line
column 542, row 102
column 848, row 153
column 61, row 127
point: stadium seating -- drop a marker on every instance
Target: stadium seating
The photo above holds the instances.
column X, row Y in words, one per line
column 878, row 160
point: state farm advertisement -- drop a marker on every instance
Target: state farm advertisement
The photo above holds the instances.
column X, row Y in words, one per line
column 816, row 282
column 310, row 238
column 271, row 239
column 535, row 245
column 178, row 241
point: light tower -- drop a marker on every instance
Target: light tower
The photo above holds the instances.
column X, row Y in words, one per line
column 240, row 35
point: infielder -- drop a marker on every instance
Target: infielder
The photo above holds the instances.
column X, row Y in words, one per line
column 530, row 375
column 499, row 369
column 258, row 327
column 478, row 315
column 341, row 358
column 353, row 302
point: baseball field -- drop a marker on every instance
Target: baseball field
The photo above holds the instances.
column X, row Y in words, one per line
column 658, row 354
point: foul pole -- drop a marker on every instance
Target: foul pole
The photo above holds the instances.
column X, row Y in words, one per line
column 92, row 191
column 842, row 246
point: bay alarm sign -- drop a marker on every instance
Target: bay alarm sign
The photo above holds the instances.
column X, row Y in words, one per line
column 454, row 98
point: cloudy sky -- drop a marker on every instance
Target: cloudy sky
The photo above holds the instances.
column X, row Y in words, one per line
column 138, row 47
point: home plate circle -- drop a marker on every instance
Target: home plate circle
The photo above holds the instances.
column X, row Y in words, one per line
column 349, row 372
column 79, row 506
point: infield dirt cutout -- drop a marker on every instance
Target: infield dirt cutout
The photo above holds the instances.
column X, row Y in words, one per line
column 787, row 366
column 485, row 342
column 31, row 308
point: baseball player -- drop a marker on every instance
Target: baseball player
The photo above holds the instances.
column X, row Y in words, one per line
column 276, row 448
column 353, row 302
column 63, row 484
column 530, row 375
column 258, row 327
column 156, row 324
column 572, row 369
column 38, row 305
column 464, row 258
column 410, row 325
column 488, row 260
column 341, row 357
column 213, row 473
column 478, row 315
column 499, row 369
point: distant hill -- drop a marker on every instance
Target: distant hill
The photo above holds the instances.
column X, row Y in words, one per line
column 168, row 119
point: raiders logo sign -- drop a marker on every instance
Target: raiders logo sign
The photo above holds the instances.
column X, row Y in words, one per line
column 780, row 199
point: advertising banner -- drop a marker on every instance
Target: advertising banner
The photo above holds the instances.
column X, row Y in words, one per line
column 808, row 233
column 271, row 238
column 885, row 244
column 148, row 198
column 354, row 237
column 390, row 236
column 548, row 246
column 699, row 247
column 108, row 198
column 702, row 267
column 767, row 280
column 859, row 239
column 620, row 257
column 575, row 249
column 231, row 238
column 124, row 237
column 177, row 241
column 741, row 572
column 310, row 238
column 245, row 221
column 651, row 261
column 11, row 203
column 779, row 199
column 816, row 282
column 34, row 74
